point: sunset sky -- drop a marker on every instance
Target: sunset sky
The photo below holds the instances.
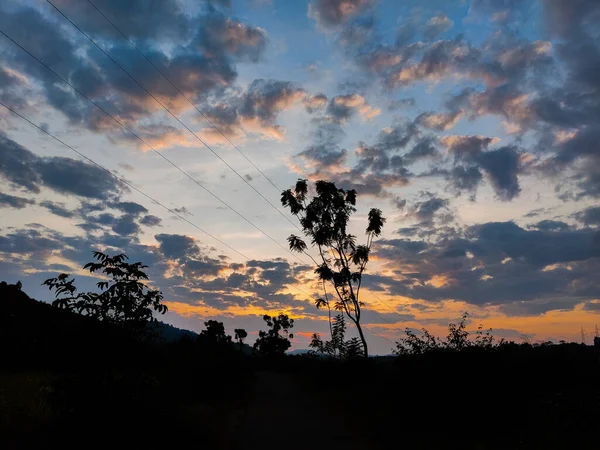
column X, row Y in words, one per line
column 473, row 125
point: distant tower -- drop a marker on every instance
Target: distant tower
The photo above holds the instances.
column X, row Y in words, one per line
column 582, row 336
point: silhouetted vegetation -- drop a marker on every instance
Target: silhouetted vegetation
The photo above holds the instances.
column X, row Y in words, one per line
column 275, row 341
column 342, row 262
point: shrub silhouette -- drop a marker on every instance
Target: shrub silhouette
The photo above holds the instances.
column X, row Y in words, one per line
column 458, row 339
column 324, row 221
column 124, row 299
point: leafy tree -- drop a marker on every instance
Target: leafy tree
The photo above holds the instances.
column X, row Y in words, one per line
column 124, row 299
column 214, row 334
column 324, row 221
column 240, row 335
column 276, row 340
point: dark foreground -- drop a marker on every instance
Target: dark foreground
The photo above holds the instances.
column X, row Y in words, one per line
column 67, row 383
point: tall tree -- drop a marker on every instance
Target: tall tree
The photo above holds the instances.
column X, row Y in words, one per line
column 324, row 221
column 124, row 299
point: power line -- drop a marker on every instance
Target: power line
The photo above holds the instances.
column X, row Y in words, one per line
column 169, row 112
column 185, row 96
column 378, row 335
column 130, row 185
column 64, row 80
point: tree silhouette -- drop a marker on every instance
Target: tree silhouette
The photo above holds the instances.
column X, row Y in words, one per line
column 240, row 334
column 271, row 343
column 124, row 299
column 324, row 221
column 214, row 334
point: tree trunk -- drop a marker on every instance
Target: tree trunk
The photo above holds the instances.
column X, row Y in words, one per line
column 363, row 340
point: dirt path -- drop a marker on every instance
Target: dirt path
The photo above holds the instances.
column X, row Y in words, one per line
column 284, row 412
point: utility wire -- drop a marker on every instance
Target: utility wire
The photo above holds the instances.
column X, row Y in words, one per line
column 64, row 80
column 169, row 112
column 130, row 185
column 378, row 335
column 184, row 96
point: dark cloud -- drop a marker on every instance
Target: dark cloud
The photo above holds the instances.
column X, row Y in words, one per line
column 126, row 225
column 324, row 155
column 58, row 209
column 502, row 167
column 165, row 19
column 566, row 18
column 12, row 201
column 425, row 210
column 17, row 165
column 333, row 13
column 135, row 209
column 176, row 246
column 150, row 221
column 550, row 225
column 589, row 216
column 23, row 169
column 463, row 178
column 471, row 154
column 496, row 263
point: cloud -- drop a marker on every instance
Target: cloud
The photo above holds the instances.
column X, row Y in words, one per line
column 330, row 14
column 150, row 221
column 58, row 209
column 439, row 121
column 502, row 168
column 133, row 208
column 315, row 102
column 425, row 210
column 496, row 263
column 343, row 107
column 255, row 109
column 205, row 48
column 589, row 216
column 23, row 169
column 437, row 25
column 471, row 153
column 550, row 225
column 12, row 201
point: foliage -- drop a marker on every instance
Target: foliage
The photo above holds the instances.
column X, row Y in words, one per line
column 240, row 335
column 123, row 300
column 276, row 340
column 214, row 334
column 458, row 339
column 337, row 347
column 324, row 221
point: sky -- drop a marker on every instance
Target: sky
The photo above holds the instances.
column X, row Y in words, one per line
column 473, row 125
